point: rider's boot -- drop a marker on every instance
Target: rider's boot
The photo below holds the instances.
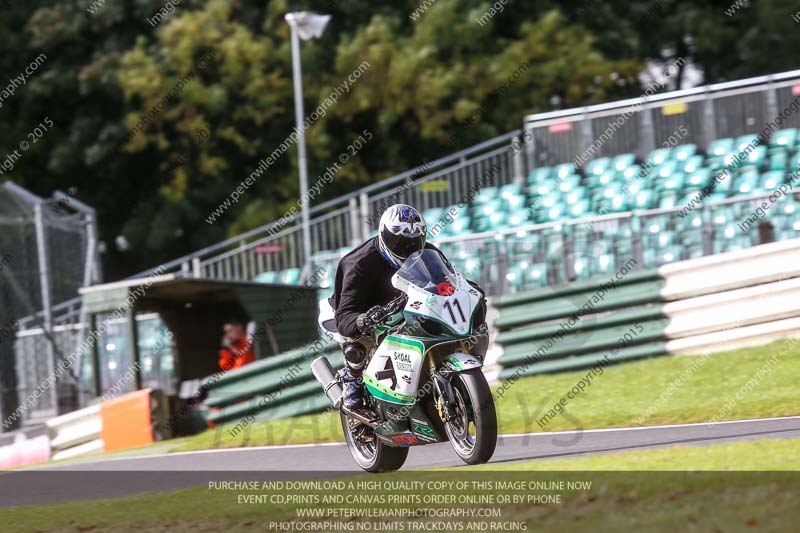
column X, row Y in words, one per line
column 355, row 356
column 353, row 391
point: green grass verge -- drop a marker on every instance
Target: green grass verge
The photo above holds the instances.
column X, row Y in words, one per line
column 670, row 389
column 638, row 501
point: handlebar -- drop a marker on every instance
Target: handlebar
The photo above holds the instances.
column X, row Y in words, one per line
column 382, row 313
column 396, row 305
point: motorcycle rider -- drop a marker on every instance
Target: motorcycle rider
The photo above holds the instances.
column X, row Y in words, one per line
column 363, row 282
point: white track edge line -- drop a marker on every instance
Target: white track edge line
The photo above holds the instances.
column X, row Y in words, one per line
column 506, row 435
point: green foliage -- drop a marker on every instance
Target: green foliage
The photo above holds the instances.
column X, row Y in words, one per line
column 434, row 84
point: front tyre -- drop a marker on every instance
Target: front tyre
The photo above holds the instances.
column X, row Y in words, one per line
column 473, row 430
column 373, row 456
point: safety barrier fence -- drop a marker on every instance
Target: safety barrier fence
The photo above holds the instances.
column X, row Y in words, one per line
column 277, row 387
column 127, row 421
column 76, row 433
column 701, row 305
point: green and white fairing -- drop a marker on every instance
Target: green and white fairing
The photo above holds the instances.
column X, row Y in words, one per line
column 393, row 373
column 441, row 306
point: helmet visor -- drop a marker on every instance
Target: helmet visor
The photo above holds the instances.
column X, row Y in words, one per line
column 402, row 245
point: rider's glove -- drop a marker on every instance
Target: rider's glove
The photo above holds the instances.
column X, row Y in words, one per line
column 366, row 322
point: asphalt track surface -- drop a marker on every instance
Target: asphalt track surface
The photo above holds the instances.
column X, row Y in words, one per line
column 124, row 476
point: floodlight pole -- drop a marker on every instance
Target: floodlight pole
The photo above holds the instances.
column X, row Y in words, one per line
column 294, row 20
column 301, row 139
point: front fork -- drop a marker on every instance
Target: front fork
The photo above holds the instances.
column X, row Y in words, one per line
column 443, row 392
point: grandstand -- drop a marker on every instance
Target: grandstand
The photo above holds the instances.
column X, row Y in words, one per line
column 529, row 217
column 563, row 222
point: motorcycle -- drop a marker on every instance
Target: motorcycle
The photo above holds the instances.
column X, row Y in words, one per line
column 423, row 379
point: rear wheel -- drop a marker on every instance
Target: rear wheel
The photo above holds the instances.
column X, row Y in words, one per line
column 369, row 453
column 473, row 431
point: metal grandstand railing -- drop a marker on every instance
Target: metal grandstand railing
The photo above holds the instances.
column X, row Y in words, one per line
column 713, row 111
column 338, row 223
column 341, row 222
column 707, row 113
column 722, row 110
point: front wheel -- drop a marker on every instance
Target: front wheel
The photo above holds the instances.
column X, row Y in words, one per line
column 372, row 455
column 473, row 429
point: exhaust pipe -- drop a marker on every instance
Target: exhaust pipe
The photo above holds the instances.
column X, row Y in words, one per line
column 326, row 376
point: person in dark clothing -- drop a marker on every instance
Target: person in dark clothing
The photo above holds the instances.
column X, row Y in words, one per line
column 363, row 281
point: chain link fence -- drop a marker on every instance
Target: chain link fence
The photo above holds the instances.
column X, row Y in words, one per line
column 47, row 252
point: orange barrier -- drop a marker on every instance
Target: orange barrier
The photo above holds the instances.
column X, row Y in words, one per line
column 127, row 421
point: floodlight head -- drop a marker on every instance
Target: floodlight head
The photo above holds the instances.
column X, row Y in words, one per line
column 309, row 25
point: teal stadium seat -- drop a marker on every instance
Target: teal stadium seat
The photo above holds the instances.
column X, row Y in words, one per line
column 535, row 275
column 556, row 213
column 744, row 141
column 574, row 196
column 659, row 156
column 606, row 178
column 518, row 218
column 757, row 157
column 579, row 209
column 623, row 161
column 794, row 163
column 778, row 159
column 564, row 170
column 632, row 173
column 720, row 147
column 642, row 200
column 485, row 195
column 433, row 215
column 784, row 138
column 674, row 182
column 569, row 183
column 771, row 180
column 597, row 166
column 539, row 175
column 267, row 277
column 747, row 182
column 666, row 169
column 691, row 164
column 698, row 179
column 290, row 276
column 515, row 278
column 488, row 208
column 684, row 152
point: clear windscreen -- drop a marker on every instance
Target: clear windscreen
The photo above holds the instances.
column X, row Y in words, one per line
column 428, row 270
